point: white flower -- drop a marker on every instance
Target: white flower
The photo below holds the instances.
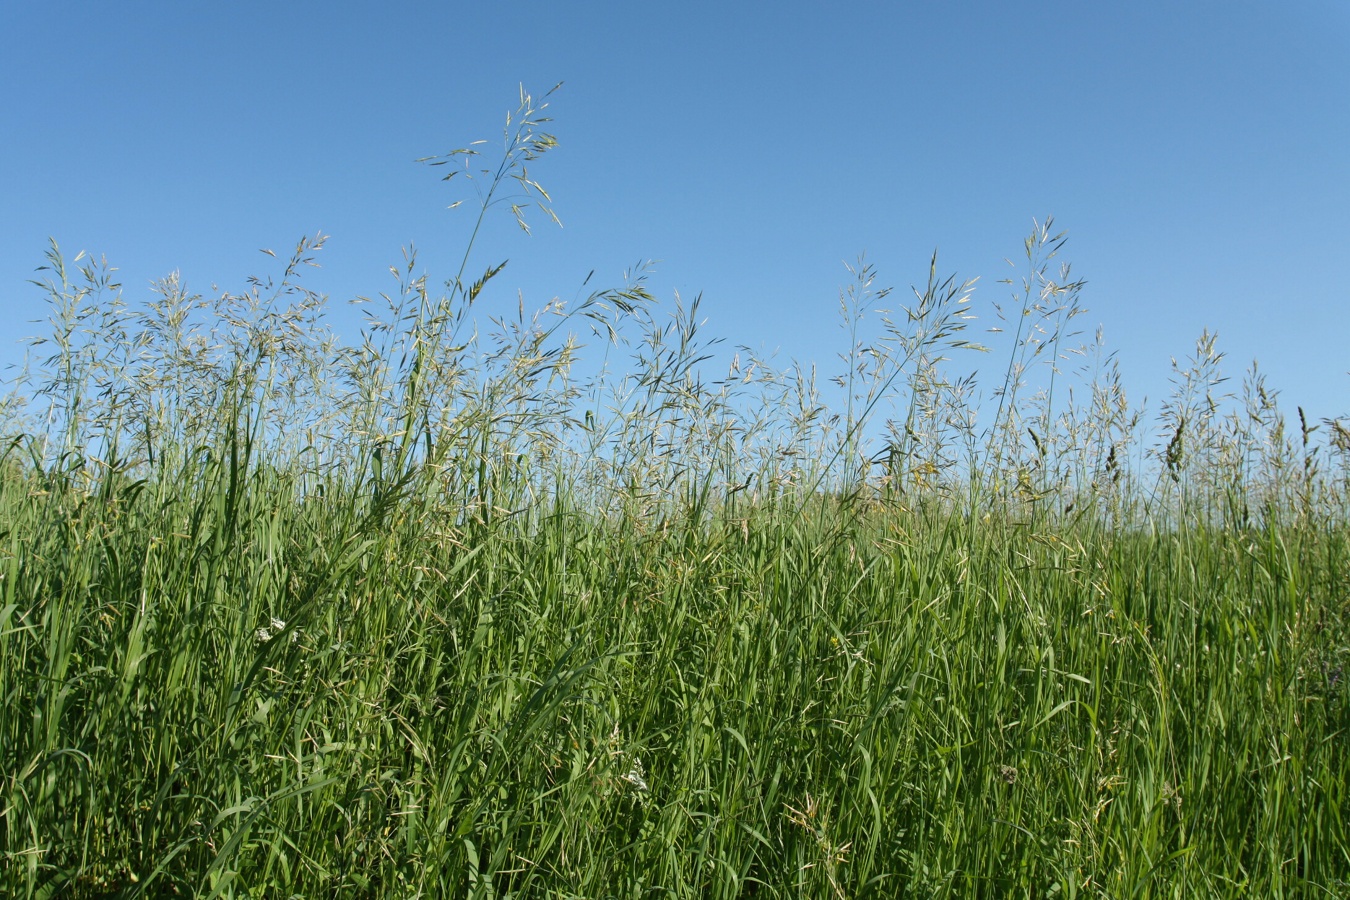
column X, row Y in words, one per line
column 265, row 634
column 634, row 777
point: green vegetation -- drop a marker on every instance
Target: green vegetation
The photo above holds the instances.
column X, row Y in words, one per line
column 439, row 614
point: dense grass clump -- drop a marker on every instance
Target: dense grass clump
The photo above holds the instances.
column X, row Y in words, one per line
column 435, row 615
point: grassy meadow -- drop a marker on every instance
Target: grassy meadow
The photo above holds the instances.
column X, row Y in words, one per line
column 455, row 610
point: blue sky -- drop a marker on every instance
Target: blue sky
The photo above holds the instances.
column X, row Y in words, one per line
column 1196, row 152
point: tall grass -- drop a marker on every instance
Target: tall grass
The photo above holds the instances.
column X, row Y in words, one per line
column 450, row 612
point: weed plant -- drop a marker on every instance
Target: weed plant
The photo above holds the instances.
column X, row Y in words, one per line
column 443, row 613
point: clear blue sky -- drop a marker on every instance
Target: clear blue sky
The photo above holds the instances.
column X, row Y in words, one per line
column 1198, row 153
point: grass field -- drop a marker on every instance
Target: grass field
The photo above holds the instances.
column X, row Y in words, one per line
column 448, row 613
